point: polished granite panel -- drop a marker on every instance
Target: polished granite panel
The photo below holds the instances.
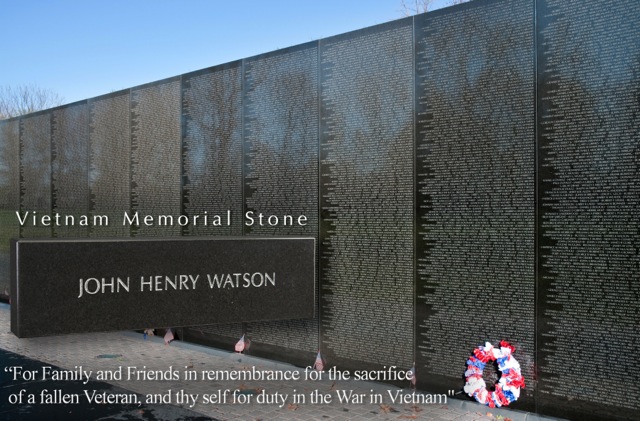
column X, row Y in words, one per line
column 212, row 148
column 35, row 174
column 9, row 195
column 156, row 170
column 110, row 164
column 366, row 196
column 69, row 169
column 475, row 187
column 280, row 126
column 99, row 285
column 589, row 203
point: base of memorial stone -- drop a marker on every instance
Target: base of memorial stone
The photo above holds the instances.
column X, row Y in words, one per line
column 574, row 409
column 257, row 349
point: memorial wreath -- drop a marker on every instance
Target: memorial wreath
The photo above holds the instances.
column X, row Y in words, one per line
column 507, row 389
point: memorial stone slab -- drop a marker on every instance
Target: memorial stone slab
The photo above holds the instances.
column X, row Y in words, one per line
column 589, row 202
column 475, row 188
column 69, row 286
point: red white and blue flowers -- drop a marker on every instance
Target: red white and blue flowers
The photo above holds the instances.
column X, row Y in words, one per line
column 507, row 389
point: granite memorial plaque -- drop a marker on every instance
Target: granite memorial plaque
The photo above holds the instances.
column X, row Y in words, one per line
column 68, row 286
column 281, row 170
column 366, row 203
column 212, row 149
column 9, row 195
column 475, row 187
column 156, row 173
column 109, row 165
column 69, row 170
column 35, row 175
column 589, row 204
column 212, row 167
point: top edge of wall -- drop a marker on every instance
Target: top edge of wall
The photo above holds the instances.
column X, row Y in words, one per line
column 395, row 23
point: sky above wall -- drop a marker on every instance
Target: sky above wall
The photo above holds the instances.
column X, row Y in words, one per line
column 81, row 49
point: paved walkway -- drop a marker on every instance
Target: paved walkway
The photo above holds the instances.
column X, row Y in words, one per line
column 128, row 353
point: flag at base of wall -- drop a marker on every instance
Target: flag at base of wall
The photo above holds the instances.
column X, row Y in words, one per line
column 413, row 376
column 168, row 337
column 319, row 364
column 240, row 345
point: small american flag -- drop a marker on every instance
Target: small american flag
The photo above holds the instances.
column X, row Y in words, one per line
column 413, row 377
column 240, row 345
column 168, row 337
column 319, row 364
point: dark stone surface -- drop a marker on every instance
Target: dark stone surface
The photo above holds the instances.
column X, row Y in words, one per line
column 110, row 162
column 9, row 195
column 46, row 301
column 589, row 203
column 69, row 166
column 212, row 150
column 35, row 171
column 475, row 188
column 212, row 146
column 366, row 196
column 281, row 165
column 156, row 154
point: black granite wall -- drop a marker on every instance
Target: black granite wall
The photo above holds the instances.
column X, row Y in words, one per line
column 10, row 171
column 366, row 196
column 475, row 185
column 110, row 163
column 470, row 174
column 156, row 158
column 589, row 206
